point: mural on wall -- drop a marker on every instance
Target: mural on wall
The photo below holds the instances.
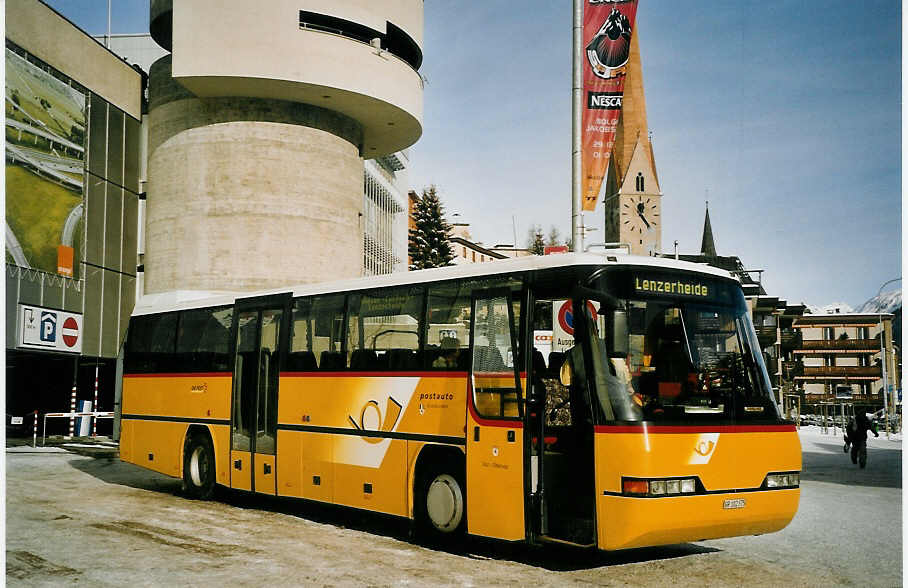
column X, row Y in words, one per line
column 45, row 169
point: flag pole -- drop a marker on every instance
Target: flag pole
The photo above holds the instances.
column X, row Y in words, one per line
column 576, row 112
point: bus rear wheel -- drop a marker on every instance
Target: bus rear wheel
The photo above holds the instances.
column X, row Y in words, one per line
column 441, row 505
column 198, row 467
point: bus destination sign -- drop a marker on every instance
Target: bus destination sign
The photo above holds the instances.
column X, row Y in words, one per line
column 676, row 286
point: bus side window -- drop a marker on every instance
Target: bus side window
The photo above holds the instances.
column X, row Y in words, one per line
column 151, row 344
column 316, row 334
column 301, row 357
column 383, row 329
column 448, row 328
column 203, row 340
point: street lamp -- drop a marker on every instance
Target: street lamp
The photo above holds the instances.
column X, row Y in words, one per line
column 886, row 398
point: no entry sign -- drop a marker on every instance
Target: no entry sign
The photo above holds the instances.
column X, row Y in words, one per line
column 563, row 324
column 70, row 332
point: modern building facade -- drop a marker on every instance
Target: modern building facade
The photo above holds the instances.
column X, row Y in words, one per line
column 385, row 206
column 256, row 161
column 73, row 112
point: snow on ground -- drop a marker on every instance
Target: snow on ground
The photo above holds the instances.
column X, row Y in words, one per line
column 811, row 432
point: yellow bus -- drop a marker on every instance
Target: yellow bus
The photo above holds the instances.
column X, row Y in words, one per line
column 650, row 421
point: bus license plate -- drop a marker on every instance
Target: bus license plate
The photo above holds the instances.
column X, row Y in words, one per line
column 734, row 503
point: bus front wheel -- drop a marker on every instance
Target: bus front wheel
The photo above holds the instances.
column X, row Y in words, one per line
column 198, row 466
column 441, row 507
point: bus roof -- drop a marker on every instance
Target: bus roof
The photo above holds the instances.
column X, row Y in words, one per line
column 188, row 299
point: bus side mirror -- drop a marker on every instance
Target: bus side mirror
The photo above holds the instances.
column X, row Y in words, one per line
column 617, row 333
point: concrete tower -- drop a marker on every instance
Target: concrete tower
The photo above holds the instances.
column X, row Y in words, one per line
column 259, row 121
column 633, row 201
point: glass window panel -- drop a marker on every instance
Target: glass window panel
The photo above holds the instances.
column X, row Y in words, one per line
column 112, row 228
column 383, row 330
column 110, row 314
column 245, row 380
column 115, row 145
column 269, row 373
column 97, row 136
column 324, row 316
column 131, row 155
column 95, row 197
column 130, row 233
column 204, row 339
column 149, row 348
column 448, row 327
column 494, row 387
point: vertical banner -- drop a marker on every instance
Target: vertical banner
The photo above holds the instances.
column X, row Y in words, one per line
column 607, row 27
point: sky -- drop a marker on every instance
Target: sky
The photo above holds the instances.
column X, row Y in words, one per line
column 785, row 115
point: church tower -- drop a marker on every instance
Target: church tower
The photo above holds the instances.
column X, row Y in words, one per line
column 633, row 199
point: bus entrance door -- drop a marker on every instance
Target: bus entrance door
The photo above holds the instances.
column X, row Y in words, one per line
column 259, row 332
column 495, row 492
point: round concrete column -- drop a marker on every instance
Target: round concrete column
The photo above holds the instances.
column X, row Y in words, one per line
column 248, row 193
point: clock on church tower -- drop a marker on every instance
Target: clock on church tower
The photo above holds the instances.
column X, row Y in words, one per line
column 633, row 213
column 640, row 223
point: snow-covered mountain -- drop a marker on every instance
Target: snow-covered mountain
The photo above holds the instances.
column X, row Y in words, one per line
column 833, row 308
column 885, row 302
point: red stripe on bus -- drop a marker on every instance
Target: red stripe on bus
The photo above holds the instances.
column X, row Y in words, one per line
column 639, row 429
column 181, row 375
column 373, row 374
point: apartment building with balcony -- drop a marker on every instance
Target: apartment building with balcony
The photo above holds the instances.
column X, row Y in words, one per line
column 843, row 356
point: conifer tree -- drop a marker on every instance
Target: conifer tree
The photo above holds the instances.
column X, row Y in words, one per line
column 537, row 247
column 428, row 243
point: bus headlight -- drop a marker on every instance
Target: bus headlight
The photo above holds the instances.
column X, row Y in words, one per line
column 786, row 480
column 657, row 488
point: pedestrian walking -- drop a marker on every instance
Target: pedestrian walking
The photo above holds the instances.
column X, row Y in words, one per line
column 856, row 437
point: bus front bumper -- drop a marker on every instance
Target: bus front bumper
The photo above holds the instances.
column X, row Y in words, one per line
column 627, row 522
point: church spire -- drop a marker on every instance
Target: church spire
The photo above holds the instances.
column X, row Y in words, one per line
column 632, row 126
column 708, row 245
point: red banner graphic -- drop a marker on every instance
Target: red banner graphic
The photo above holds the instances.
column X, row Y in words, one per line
column 607, row 28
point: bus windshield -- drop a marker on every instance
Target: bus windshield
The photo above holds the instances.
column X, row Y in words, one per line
column 679, row 360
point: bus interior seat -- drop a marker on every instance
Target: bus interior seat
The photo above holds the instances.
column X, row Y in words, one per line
column 401, row 360
column 538, row 361
column 429, row 355
column 332, row 360
column 556, row 359
column 301, row 361
column 363, row 360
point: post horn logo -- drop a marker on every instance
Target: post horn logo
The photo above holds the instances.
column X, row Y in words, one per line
column 370, row 419
column 610, row 47
column 704, row 448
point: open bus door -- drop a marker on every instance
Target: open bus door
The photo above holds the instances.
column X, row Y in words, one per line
column 495, row 463
column 260, row 333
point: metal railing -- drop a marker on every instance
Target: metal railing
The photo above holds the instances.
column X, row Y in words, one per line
column 838, row 371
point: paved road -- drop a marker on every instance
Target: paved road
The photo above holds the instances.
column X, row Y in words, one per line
column 74, row 519
column 69, row 227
